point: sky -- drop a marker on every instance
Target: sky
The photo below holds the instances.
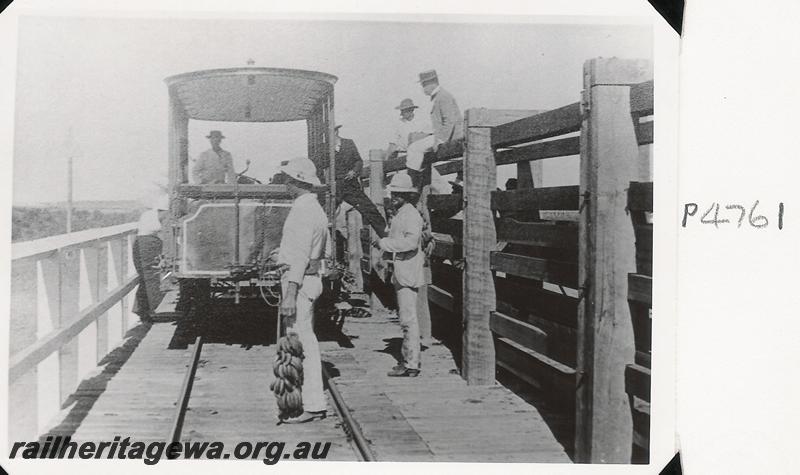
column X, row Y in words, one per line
column 94, row 87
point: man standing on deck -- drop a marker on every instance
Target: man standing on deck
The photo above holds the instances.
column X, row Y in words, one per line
column 215, row 165
column 405, row 244
column 448, row 126
column 303, row 247
column 348, row 183
column 145, row 251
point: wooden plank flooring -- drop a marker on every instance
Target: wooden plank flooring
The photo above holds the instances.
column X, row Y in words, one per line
column 134, row 393
column 433, row 417
column 429, row 418
column 230, row 403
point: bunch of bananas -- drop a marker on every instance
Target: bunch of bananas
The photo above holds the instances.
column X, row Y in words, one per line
column 288, row 370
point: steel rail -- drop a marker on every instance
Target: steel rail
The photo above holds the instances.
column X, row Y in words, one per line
column 350, row 425
column 186, row 392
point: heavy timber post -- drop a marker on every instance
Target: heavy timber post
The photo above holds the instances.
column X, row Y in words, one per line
column 376, row 158
column 354, row 225
column 480, row 237
column 609, row 152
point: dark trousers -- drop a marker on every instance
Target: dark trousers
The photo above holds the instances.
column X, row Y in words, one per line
column 350, row 192
column 146, row 250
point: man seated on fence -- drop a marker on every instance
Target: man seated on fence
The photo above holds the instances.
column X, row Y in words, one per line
column 447, row 123
column 348, row 183
column 410, row 128
column 215, row 165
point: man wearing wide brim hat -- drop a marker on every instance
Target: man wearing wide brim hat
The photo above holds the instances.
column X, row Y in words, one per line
column 215, row 165
column 410, row 128
column 406, row 104
column 405, row 244
column 304, row 245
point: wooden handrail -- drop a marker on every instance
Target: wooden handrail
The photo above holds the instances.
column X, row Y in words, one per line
column 61, row 286
column 48, row 245
column 28, row 358
column 564, row 119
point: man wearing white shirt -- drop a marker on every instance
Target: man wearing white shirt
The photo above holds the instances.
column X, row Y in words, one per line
column 410, row 128
column 304, row 245
column 405, row 244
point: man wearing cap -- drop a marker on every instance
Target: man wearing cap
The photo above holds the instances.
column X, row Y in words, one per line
column 410, row 129
column 304, row 244
column 405, row 242
column 447, row 123
column 348, row 183
column 215, row 165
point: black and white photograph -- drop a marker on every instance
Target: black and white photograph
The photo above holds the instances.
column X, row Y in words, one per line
column 396, row 238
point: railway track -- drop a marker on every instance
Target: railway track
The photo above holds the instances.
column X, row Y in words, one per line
column 351, row 430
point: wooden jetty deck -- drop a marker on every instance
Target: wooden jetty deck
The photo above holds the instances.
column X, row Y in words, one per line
column 404, row 419
column 133, row 392
column 135, row 395
column 433, row 417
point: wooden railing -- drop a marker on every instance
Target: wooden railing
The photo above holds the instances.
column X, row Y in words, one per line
column 69, row 308
column 611, row 158
column 540, row 275
column 640, row 300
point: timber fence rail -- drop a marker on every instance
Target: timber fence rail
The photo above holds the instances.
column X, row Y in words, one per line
column 69, row 308
column 640, row 300
column 542, row 277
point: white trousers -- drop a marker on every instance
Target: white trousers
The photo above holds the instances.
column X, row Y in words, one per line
column 313, row 397
column 409, row 323
column 416, row 151
column 414, row 156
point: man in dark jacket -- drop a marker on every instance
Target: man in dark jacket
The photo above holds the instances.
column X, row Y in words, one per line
column 348, row 183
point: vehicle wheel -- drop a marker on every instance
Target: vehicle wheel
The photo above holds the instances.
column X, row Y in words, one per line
column 194, row 296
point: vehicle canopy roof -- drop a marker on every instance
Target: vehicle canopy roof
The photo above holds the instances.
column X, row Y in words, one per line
column 250, row 94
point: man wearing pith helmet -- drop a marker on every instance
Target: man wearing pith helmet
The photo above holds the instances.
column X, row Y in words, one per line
column 404, row 242
column 304, row 245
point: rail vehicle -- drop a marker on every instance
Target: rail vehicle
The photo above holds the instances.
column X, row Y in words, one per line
column 220, row 236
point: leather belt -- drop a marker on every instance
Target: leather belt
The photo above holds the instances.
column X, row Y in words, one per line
column 314, row 267
column 405, row 255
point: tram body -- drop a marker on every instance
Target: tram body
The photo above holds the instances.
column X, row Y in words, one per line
column 224, row 233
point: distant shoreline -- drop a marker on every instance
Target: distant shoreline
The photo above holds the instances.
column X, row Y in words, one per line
column 86, row 205
column 29, row 222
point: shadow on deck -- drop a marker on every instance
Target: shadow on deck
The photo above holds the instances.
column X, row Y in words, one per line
column 560, row 418
column 432, row 417
column 90, row 389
